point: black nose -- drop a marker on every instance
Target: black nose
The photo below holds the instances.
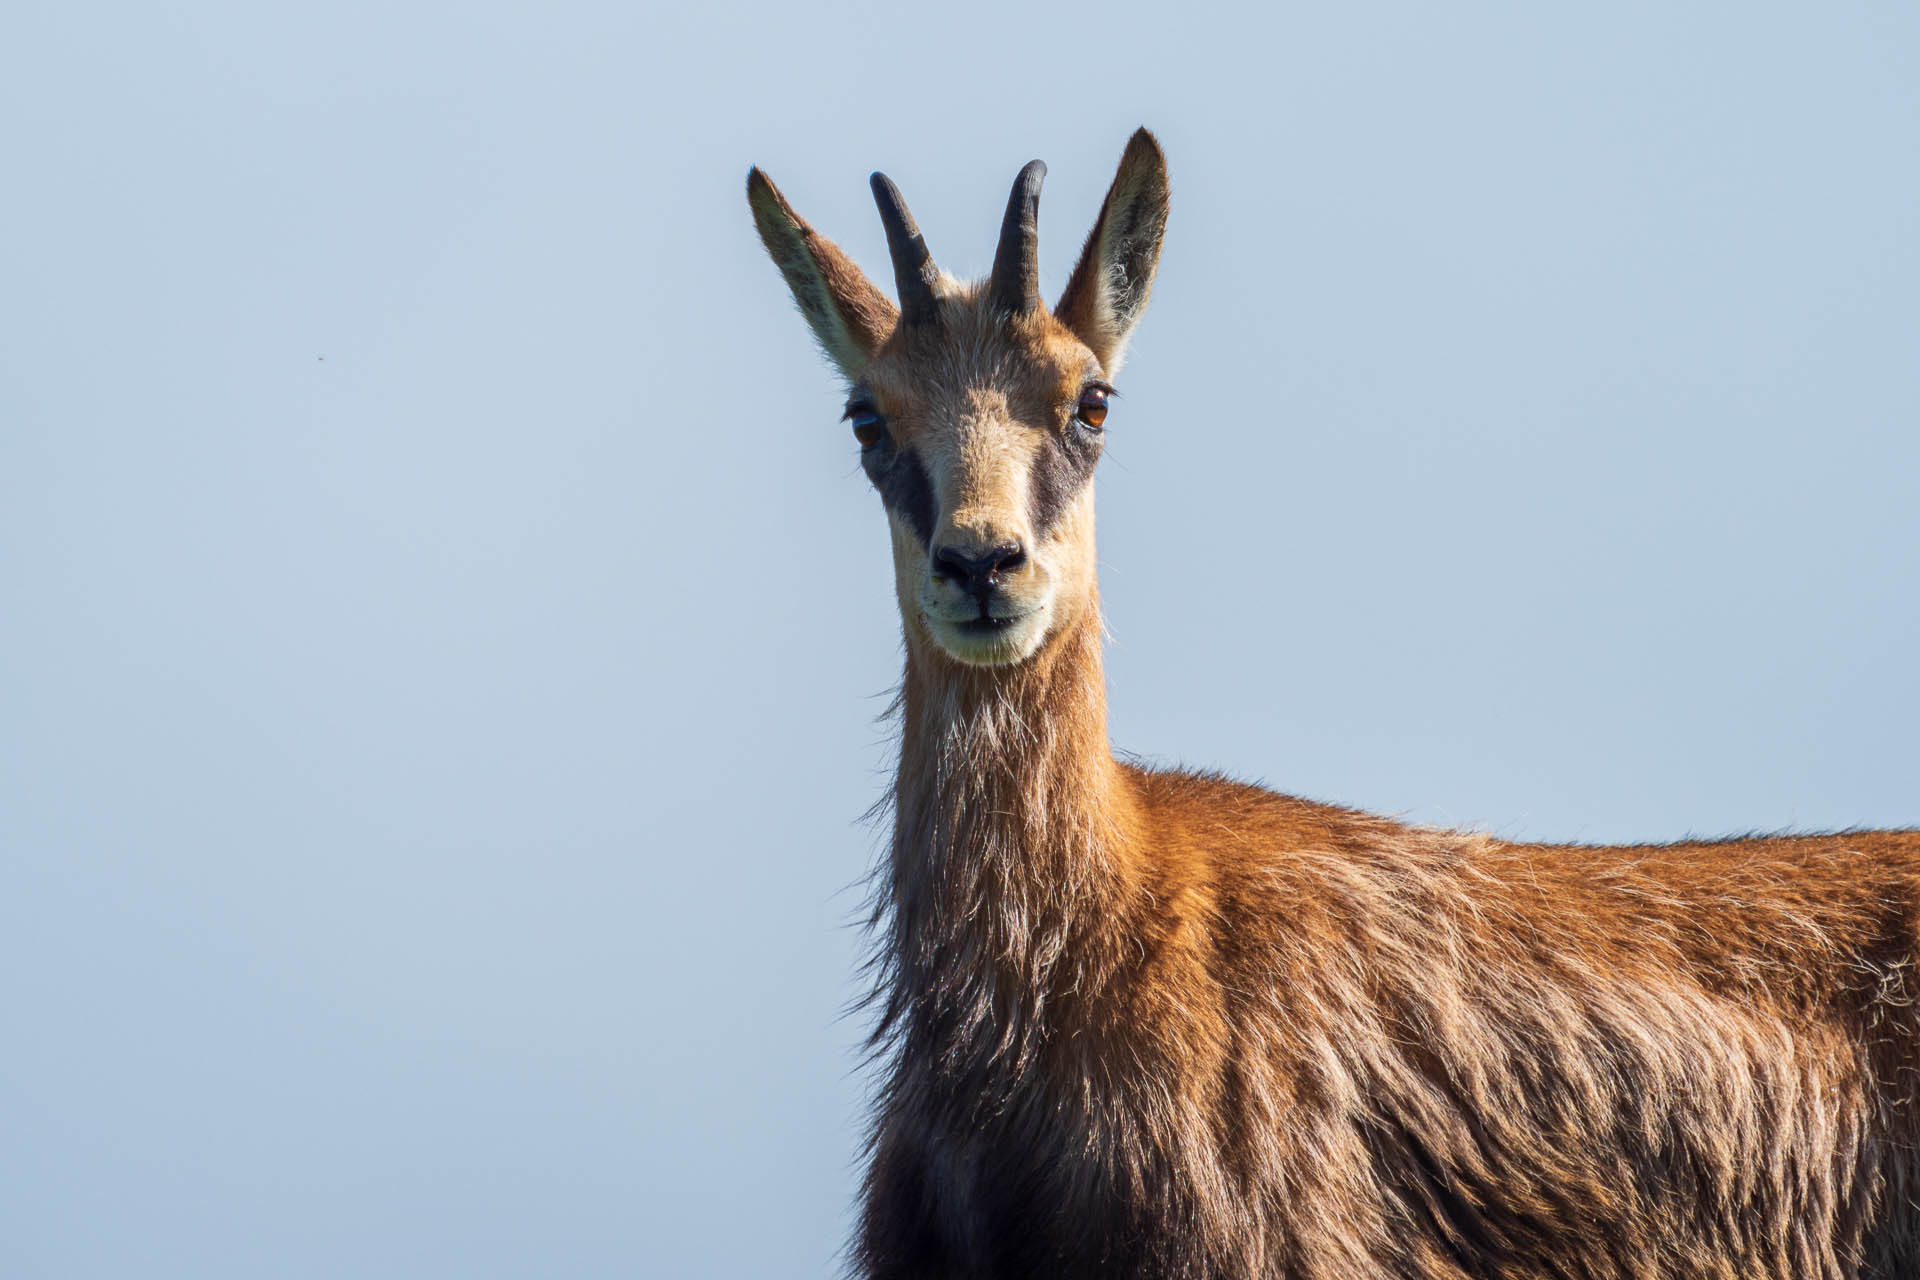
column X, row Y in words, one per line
column 976, row 575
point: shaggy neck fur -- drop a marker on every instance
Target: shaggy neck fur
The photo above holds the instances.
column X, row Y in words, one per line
column 1010, row 875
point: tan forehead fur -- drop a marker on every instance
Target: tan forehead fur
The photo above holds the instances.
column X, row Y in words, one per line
column 925, row 374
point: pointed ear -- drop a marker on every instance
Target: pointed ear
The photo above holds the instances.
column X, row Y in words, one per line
column 1107, row 293
column 849, row 317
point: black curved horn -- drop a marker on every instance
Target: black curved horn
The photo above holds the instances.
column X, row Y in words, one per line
column 913, row 269
column 1015, row 284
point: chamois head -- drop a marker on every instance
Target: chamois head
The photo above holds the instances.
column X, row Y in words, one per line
column 979, row 412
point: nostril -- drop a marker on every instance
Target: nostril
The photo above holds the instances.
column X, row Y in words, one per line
column 977, row 574
column 951, row 565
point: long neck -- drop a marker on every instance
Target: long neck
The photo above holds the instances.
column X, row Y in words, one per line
column 1011, row 875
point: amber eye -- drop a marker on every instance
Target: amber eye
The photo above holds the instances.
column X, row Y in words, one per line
column 868, row 426
column 1092, row 409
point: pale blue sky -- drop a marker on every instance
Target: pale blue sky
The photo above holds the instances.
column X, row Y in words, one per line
column 444, row 624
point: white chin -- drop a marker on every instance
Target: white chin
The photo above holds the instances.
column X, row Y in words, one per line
column 999, row 647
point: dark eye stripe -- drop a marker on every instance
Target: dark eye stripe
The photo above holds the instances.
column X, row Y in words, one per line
column 901, row 478
column 1061, row 469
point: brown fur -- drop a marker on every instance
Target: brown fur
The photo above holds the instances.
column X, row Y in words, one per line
column 1159, row 1024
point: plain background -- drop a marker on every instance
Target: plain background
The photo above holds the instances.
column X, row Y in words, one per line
column 444, row 627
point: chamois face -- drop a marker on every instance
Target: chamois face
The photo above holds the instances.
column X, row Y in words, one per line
column 989, row 426
column 980, row 413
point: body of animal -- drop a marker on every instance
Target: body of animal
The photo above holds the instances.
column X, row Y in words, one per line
column 1157, row 1024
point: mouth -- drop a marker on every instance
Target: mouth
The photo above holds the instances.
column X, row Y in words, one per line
column 988, row 638
column 986, row 625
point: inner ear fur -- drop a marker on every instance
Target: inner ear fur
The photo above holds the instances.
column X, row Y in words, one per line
column 1107, row 293
column 849, row 317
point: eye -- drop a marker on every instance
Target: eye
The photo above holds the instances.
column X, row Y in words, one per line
column 869, row 428
column 1092, row 409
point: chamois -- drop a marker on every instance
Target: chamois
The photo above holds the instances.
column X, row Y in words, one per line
column 1154, row 1024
